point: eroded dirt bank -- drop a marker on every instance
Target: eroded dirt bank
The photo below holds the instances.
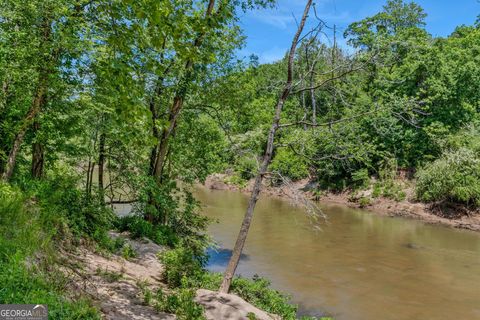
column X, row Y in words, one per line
column 119, row 286
column 383, row 206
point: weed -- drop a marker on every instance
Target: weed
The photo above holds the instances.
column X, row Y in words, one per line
column 108, row 275
column 128, row 252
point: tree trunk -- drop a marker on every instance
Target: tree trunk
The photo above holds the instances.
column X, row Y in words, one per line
column 165, row 136
column 90, row 179
column 101, row 166
column 242, row 236
column 35, row 107
column 3, row 104
column 161, row 150
column 38, row 155
column 17, row 142
column 314, row 102
column 87, row 184
column 153, row 110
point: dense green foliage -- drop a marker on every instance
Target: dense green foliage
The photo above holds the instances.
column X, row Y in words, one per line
column 454, row 177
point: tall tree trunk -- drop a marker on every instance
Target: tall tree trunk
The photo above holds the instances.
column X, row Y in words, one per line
column 29, row 118
column 3, row 104
column 3, row 97
column 165, row 136
column 38, row 154
column 87, row 184
column 101, row 166
column 177, row 105
column 242, row 236
column 35, row 107
column 90, row 179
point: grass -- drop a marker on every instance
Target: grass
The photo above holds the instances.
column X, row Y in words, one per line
column 109, row 275
column 28, row 273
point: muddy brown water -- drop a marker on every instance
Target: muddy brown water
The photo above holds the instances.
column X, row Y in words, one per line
column 359, row 266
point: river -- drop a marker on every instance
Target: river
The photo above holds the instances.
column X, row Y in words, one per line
column 359, row 266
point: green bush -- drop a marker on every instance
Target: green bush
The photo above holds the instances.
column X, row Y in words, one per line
column 258, row 292
column 181, row 303
column 364, row 202
column 139, row 228
column 19, row 229
column 65, row 208
column 393, row 190
column 173, row 214
column 289, row 164
column 179, row 263
column 454, row 177
column 246, row 166
column 360, row 178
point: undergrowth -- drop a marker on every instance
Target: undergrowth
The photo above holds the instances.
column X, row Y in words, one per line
column 185, row 273
column 30, row 224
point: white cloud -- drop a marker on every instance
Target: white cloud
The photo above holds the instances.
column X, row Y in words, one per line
column 278, row 20
column 285, row 13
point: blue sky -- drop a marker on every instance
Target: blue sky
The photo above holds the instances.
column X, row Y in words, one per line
column 269, row 31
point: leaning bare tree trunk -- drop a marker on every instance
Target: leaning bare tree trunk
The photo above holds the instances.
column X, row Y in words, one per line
column 38, row 155
column 242, row 236
column 314, row 102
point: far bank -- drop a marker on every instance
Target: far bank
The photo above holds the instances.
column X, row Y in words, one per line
column 450, row 215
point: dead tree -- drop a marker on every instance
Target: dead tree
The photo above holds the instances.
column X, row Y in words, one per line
column 242, row 236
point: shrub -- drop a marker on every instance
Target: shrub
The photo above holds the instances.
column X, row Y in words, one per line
column 360, row 178
column 289, row 164
column 454, row 177
column 364, row 202
column 258, row 292
column 141, row 228
column 64, row 207
column 181, row 303
column 179, row 263
column 171, row 212
column 246, row 166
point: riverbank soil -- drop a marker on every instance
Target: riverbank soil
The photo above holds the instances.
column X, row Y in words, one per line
column 456, row 217
column 116, row 284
